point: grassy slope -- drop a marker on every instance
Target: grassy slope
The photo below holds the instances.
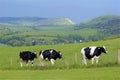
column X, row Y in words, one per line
column 62, row 69
column 10, row 55
column 50, row 32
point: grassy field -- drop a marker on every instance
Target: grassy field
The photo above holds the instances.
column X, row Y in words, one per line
column 48, row 32
column 68, row 68
column 71, row 54
column 51, row 33
column 104, row 73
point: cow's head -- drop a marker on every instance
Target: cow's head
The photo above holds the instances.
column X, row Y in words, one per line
column 34, row 54
column 103, row 49
column 60, row 55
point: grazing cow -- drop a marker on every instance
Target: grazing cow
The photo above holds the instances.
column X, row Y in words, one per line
column 27, row 56
column 92, row 52
column 50, row 55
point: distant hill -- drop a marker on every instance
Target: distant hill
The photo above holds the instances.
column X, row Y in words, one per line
column 56, row 21
column 107, row 24
column 34, row 21
column 27, row 31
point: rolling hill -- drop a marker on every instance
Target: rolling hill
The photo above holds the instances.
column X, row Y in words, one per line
column 27, row 31
column 34, row 21
column 107, row 24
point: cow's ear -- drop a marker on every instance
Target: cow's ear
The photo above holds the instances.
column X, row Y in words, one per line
column 60, row 53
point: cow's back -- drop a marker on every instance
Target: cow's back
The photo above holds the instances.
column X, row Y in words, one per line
column 25, row 55
column 86, row 51
column 46, row 54
column 55, row 54
column 50, row 54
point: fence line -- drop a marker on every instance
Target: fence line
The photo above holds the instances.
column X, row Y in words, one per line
column 119, row 56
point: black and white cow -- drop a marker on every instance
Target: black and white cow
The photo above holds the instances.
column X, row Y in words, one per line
column 92, row 52
column 27, row 56
column 50, row 55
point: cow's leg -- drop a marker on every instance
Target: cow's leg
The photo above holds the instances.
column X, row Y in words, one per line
column 52, row 61
column 21, row 64
column 41, row 61
column 97, row 59
column 27, row 62
column 32, row 62
column 92, row 60
column 84, row 60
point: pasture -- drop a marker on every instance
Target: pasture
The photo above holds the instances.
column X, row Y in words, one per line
column 21, row 36
column 68, row 68
column 104, row 73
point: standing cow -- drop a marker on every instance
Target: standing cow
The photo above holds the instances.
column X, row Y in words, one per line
column 92, row 52
column 27, row 56
column 50, row 55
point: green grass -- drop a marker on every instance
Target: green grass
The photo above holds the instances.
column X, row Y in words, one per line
column 68, row 68
column 104, row 73
column 50, row 32
column 44, row 34
column 84, row 32
column 71, row 55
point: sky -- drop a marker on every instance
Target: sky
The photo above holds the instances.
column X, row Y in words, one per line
column 76, row 10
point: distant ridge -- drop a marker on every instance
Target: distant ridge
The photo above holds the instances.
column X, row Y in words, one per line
column 35, row 21
column 56, row 21
column 106, row 24
column 101, row 21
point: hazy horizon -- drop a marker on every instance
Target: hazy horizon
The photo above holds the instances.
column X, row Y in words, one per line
column 76, row 10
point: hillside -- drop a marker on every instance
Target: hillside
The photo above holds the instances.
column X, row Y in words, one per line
column 107, row 24
column 27, row 31
column 71, row 55
column 34, row 21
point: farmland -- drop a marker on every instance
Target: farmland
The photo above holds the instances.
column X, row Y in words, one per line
column 18, row 36
column 68, row 68
column 28, row 31
column 70, row 52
